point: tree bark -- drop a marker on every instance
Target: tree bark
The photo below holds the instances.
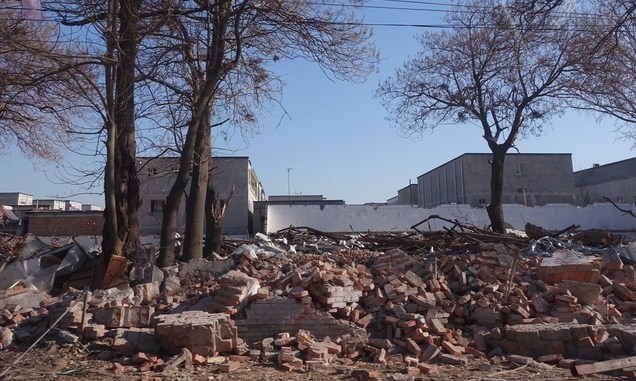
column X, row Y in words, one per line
column 110, row 240
column 213, row 222
column 169, row 223
column 495, row 208
column 121, row 184
column 126, row 180
column 195, row 205
column 173, row 200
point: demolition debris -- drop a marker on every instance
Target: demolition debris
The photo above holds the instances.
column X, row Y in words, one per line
column 307, row 300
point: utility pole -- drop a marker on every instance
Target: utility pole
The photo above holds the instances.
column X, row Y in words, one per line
column 288, row 184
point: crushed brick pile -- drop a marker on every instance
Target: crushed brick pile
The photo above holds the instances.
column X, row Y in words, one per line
column 304, row 311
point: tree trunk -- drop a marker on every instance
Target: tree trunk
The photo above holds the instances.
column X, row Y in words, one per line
column 111, row 244
column 213, row 235
column 110, row 240
column 495, row 208
column 173, row 200
column 127, row 182
column 169, row 224
column 195, row 205
column 191, row 158
column 213, row 222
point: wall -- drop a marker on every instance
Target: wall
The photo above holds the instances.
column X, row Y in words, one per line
column 408, row 195
column 16, row 198
column 530, row 179
column 622, row 190
column 155, row 180
column 72, row 205
column 50, row 204
column 361, row 218
column 228, row 173
column 269, row 317
column 67, row 224
column 616, row 181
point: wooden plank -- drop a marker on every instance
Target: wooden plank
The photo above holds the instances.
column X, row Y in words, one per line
column 605, row 366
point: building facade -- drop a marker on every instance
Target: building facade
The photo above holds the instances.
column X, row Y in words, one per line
column 57, row 204
column 531, row 179
column 16, row 198
column 408, row 195
column 10, row 223
column 616, row 181
column 229, row 174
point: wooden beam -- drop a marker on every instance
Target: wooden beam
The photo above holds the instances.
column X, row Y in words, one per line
column 605, row 366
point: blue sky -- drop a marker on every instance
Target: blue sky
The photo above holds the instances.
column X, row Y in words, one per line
column 337, row 139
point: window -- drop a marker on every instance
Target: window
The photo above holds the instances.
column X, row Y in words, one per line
column 152, row 171
column 156, row 206
column 482, row 201
column 519, row 169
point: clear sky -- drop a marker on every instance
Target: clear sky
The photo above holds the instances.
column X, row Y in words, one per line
column 337, row 141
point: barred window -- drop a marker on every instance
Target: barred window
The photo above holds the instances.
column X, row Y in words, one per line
column 156, row 206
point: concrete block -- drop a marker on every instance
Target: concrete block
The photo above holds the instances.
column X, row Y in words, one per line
column 201, row 332
column 133, row 340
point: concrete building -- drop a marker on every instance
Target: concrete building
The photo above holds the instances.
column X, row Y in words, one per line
column 49, row 204
column 408, row 195
column 156, row 176
column 616, row 181
column 19, row 199
column 10, row 223
column 70, row 205
column 16, row 198
column 405, row 196
column 91, row 208
column 530, row 179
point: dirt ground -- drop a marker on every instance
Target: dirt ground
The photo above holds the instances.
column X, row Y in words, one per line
column 73, row 362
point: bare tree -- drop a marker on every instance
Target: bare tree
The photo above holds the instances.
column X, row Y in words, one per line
column 606, row 80
column 112, row 30
column 55, row 83
column 504, row 68
column 125, row 240
column 224, row 49
column 40, row 91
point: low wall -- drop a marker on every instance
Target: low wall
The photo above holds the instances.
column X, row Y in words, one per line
column 361, row 218
column 269, row 317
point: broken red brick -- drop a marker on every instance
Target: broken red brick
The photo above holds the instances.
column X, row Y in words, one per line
column 139, row 358
column 428, row 368
column 452, row 349
column 365, row 321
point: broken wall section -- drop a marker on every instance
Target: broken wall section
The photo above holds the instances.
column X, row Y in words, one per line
column 269, row 317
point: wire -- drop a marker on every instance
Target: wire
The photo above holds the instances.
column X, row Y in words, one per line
column 457, row 8
column 451, row 8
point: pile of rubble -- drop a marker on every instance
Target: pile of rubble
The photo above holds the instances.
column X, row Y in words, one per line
column 306, row 300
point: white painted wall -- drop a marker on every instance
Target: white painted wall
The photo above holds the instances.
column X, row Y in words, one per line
column 361, row 218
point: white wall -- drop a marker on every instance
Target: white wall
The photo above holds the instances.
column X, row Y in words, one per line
column 360, row 218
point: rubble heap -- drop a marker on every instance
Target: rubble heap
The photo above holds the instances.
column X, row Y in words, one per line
column 288, row 300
